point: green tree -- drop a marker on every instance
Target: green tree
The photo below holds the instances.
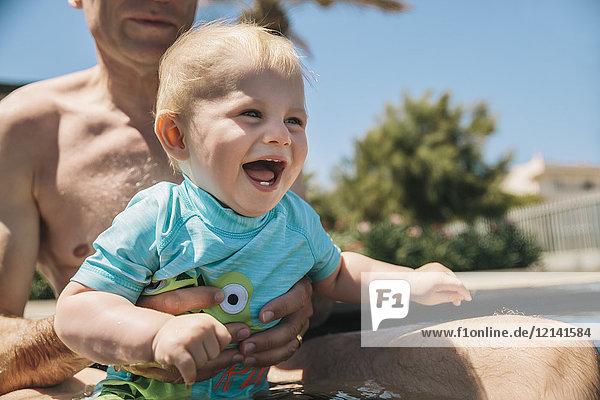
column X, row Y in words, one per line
column 424, row 161
column 322, row 201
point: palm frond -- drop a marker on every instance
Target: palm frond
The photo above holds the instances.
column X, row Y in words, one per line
column 384, row 5
column 272, row 14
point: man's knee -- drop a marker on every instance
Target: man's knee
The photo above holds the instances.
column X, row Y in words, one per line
column 577, row 372
column 551, row 371
column 518, row 371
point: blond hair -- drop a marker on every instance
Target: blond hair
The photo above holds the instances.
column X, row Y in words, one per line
column 207, row 62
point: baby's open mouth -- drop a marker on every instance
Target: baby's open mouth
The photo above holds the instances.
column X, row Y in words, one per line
column 264, row 172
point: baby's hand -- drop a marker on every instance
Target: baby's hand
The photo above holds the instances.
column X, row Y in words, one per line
column 434, row 284
column 188, row 342
column 435, row 267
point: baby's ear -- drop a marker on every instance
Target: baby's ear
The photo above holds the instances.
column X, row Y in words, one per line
column 170, row 135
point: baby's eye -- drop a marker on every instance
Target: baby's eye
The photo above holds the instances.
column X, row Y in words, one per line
column 252, row 113
column 295, row 121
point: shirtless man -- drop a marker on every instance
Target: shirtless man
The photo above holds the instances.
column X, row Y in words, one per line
column 73, row 151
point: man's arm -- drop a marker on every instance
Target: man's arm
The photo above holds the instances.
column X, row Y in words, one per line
column 30, row 352
column 32, row 355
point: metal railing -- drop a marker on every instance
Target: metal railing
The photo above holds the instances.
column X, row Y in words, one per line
column 571, row 224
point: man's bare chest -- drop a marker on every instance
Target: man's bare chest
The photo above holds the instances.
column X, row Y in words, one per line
column 86, row 182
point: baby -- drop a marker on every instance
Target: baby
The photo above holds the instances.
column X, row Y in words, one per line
column 231, row 116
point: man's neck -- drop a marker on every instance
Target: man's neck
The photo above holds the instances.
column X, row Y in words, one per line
column 131, row 90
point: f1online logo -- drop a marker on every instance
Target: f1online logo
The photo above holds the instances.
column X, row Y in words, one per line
column 389, row 299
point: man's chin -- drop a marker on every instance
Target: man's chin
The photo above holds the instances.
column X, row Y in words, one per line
column 145, row 53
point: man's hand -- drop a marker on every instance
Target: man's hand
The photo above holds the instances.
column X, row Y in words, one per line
column 180, row 301
column 279, row 343
column 263, row 349
column 224, row 360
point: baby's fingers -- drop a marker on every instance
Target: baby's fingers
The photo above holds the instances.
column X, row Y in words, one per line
column 455, row 286
column 444, row 296
column 464, row 292
column 185, row 364
column 457, row 300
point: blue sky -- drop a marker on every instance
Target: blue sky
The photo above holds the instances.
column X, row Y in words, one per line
column 535, row 62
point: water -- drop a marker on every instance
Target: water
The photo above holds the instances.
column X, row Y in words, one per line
column 296, row 390
column 347, row 391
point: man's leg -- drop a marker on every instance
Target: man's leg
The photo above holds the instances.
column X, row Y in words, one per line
column 452, row 372
column 72, row 388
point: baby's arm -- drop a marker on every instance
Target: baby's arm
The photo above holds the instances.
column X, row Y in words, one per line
column 430, row 284
column 107, row 328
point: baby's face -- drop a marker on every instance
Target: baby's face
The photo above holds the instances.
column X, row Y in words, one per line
column 248, row 147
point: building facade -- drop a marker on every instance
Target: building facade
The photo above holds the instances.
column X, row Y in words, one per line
column 552, row 181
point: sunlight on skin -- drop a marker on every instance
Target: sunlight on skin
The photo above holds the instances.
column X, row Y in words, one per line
column 82, row 383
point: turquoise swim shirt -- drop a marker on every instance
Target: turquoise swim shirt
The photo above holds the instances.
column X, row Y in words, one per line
column 168, row 230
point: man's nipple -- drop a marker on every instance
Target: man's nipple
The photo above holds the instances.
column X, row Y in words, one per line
column 82, row 250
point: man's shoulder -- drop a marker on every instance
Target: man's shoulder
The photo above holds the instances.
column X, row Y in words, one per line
column 27, row 114
column 39, row 104
column 31, row 115
column 26, row 108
